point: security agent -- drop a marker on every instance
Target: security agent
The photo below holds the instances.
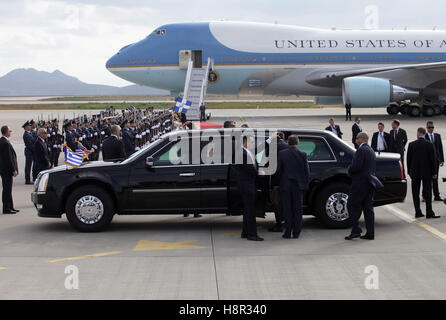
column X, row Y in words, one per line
column 435, row 139
column 29, row 151
column 398, row 140
column 422, row 168
column 356, row 129
column 113, row 148
column 294, row 175
column 364, row 182
column 381, row 140
column 127, row 138
column 42, row 156
column 334, row 128
column 246, row 174
column 8, row 170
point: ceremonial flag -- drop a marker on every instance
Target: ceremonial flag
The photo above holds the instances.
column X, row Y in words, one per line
column 182, row 105
column 72, row 159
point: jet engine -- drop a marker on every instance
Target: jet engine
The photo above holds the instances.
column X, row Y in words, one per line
column 373, row 92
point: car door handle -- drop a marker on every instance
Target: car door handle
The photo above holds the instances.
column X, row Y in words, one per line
column 187, row 174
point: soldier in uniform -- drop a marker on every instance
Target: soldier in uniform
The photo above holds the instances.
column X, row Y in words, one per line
column 29, row 151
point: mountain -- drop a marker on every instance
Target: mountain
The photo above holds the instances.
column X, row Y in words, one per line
column 31, row 82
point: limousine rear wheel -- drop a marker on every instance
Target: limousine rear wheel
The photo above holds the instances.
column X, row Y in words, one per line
column 89, row 209
column 331, row 205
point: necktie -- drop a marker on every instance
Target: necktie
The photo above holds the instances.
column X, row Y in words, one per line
column 432, row 137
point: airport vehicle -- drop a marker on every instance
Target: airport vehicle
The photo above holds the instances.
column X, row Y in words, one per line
column 403, row 70
column 152, row 181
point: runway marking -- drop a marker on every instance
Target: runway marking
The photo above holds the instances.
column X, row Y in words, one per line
column 86, row 256
column 232, row 233
column 147, row 245
column 411, row 219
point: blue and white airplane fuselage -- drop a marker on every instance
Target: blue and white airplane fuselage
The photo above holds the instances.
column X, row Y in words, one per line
column 364, row 67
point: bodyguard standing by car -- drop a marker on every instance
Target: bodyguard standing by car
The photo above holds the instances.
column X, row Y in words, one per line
column 246, row 174
column 334, row 128
column 8, row 170
column 422, row 168
column 356, row 129
column 41, row 153
column 435, row 138
column 113, row 148
column 29, row 151
column 360, row 198
column 398, row 140
column 294, row 175
column 381, row 140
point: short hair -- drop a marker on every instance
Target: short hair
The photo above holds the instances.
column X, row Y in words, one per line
column 331, row 119
column 357, row 118
column 40, row 131
column 363, row 135
column 115, row 129
column 381, row 124
column 281, row 135
column 421, row 130
column 4, row 130
column 293, row 140
column 397, row 122
column 429, row 122
column 245, row 125
column 228, row 124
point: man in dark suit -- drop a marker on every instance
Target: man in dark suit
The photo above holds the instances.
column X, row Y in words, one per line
column 33, row 132
column 127, row 138
column 8, row 170
column 113, row 148
column 360, row 198
column 294, row 175
column 422, row 167
column 348, row 112
column 41, row 153
column 435, row 138
column 277, row 138
column 381, row 140
column 398, row 140
column 246, row 174
column 334, row 128
column 356, row 129
column 29, row 151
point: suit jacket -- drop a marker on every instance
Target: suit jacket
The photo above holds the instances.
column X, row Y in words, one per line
column 247, row 171
column 421, row 159
column 29, row 141
column 293, row 169
column 438, row 145
column 113, row 149
column 355, row 130
column 127, row 139
column 375, row 141
column 41, row 155
column 338, row 130
column 281, row 145
column 70, row 140
column 398, row 145
column 8, row 157
column 362, row 170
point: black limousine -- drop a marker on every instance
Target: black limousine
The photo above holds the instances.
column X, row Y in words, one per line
column 156, row 180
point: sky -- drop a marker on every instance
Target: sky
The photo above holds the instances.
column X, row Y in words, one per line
column 77, row 37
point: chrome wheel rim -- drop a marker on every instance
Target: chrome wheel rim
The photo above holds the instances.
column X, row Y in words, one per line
column 336, row 206
column 89, row 209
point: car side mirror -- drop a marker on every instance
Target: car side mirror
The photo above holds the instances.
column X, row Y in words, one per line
column 149, row 162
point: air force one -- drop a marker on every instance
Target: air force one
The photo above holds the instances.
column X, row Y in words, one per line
column 402, row 70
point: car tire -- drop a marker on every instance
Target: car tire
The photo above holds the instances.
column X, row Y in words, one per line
column 89, row 209
column 331, row 206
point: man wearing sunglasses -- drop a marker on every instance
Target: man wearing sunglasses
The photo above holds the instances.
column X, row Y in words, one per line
column 435, row 138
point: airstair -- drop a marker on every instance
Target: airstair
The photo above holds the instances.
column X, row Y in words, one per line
column 195, row 87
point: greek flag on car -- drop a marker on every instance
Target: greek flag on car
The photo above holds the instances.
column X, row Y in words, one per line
column 73, row 159
column 182, row 105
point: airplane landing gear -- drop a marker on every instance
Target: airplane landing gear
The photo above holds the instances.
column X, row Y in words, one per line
column 428, row 111
column 393, row 108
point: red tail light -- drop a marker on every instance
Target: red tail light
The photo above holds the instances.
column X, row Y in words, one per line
column 402, row 171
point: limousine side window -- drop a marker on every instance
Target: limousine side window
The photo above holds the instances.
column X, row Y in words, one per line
column 168, row 156
column 316, row 149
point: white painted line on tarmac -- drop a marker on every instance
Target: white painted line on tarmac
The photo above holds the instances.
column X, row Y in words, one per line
column 399, row 213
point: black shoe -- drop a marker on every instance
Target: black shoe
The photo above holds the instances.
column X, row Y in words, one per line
column 243, row 236
column 29, row 183
column 9, row 212
column 254, row 238
column 276, row 228
column 286, row 236
column 352, row 236
column 432, row 216
column 186, row 215
column 419, row 215
column 296, row 236
column 367, row 237
column 197, row 215
column 438, row 199
column 15, row 211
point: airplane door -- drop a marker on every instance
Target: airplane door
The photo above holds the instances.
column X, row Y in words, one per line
column 197, row 58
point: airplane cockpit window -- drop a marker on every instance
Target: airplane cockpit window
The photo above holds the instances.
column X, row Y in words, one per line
column 159, row 32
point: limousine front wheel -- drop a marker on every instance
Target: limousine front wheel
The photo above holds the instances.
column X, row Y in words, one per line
column 89, row 209
column 331, row 205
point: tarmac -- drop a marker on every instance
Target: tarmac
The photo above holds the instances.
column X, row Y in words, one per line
column 171, row 257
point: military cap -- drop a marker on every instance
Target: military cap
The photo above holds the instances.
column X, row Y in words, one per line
column 26, row 124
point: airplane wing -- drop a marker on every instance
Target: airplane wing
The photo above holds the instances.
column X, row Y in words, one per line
column 334, row 77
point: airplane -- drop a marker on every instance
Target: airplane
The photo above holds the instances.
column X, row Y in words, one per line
column 403, row 70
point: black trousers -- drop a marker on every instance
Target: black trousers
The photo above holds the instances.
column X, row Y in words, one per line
column 28, row 167
column 348, row 113
column 276, row 200
column 362, row 201
column 55, row 158
column 427, row 191
column 7, row 180
column 292, row 209
column 435, row 184
column 35, row 173
column 248, row 193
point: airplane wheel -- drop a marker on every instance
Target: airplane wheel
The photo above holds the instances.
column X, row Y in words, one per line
column 414, row 111
column 393, row 109
column 437, row 110
column 404, row 109
column 428, row 111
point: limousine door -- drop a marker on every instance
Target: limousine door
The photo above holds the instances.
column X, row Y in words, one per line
column 165, row 186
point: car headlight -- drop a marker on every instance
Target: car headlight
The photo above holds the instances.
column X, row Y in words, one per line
column 43, row 182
